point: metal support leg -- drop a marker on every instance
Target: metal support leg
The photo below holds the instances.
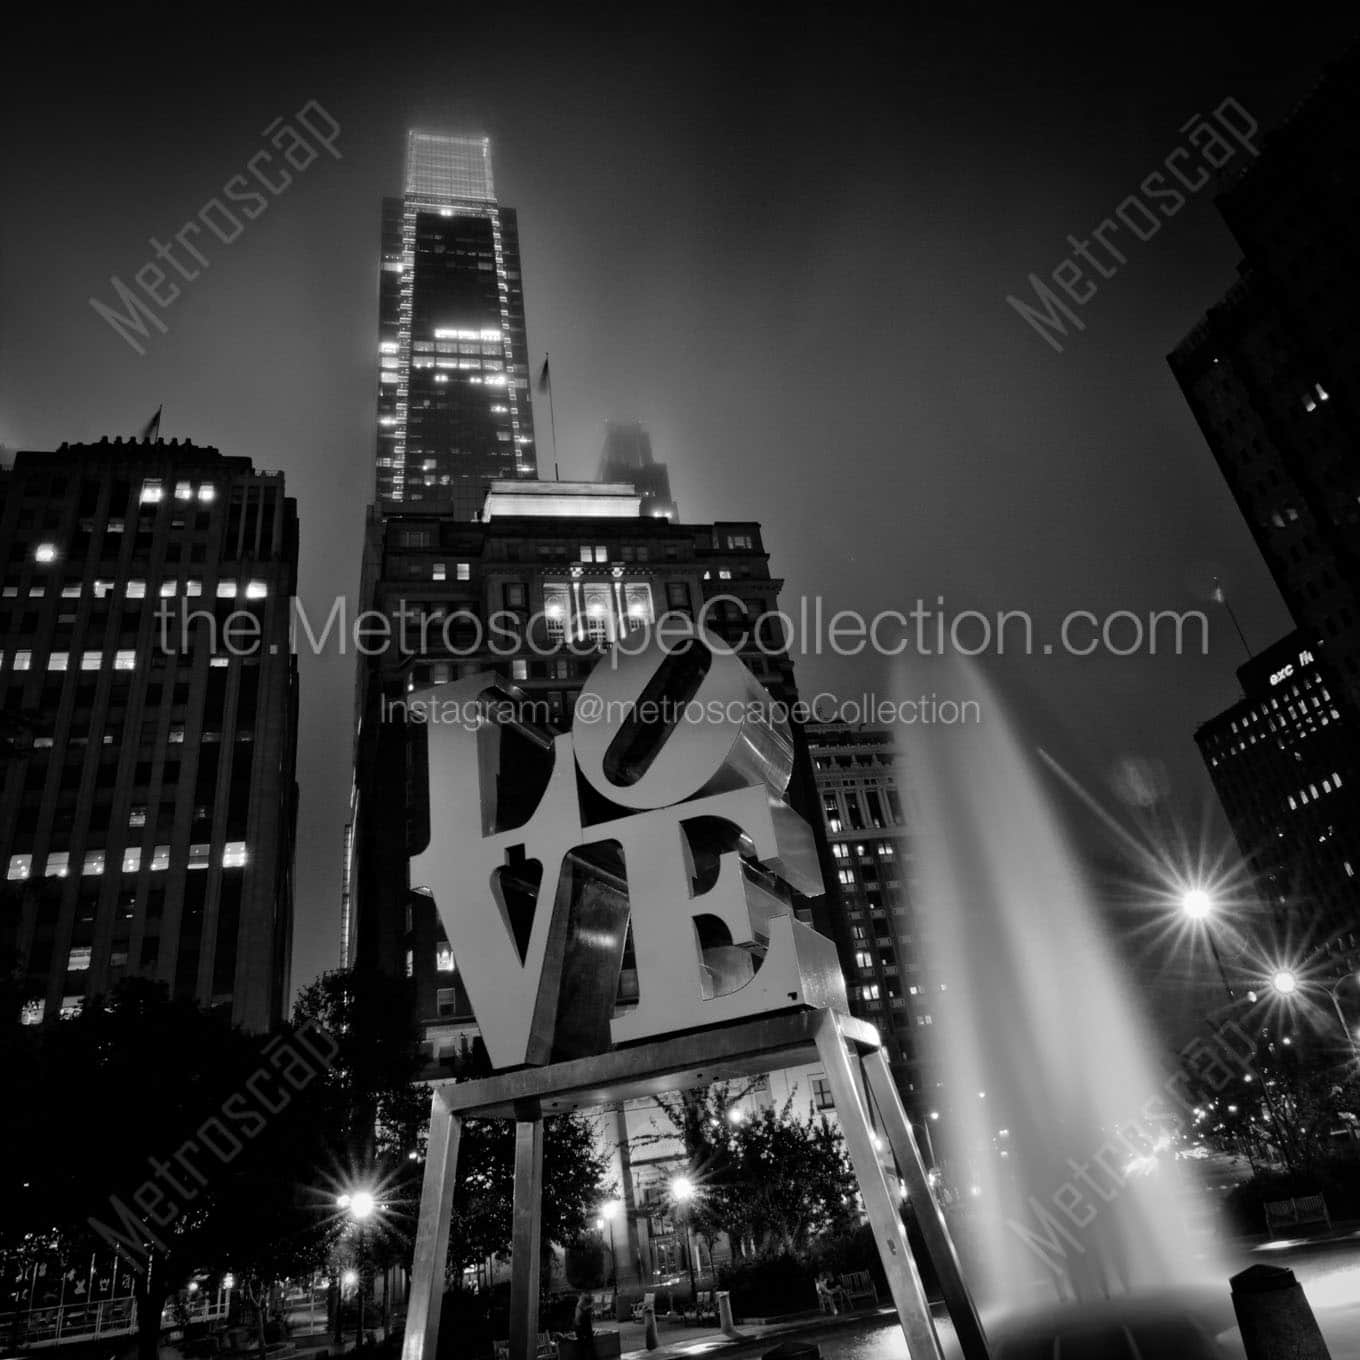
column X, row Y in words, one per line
column 526, row 1238
column 432, row 1234
column 934, row 1232
column 880, row 1198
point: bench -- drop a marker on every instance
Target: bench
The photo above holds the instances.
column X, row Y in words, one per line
column 859, row 1285
column 1293, row 1213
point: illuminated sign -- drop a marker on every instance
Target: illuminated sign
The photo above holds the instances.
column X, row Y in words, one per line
column 1305, row 658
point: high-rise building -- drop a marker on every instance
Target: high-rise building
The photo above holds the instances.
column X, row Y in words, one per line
column 576, row 563
column 860, row 781
column 454, row 410
column 148, row 800
column 1285, row 762
column 569, row 567
column 627, row 457
column 1272, row 373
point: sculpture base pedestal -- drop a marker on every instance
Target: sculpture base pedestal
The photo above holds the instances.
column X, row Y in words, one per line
column 861, row 1085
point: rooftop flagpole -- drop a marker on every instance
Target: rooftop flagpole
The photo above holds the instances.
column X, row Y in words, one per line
column 545, row 385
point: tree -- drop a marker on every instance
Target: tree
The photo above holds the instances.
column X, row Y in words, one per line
column 574, row 1182
column 182, row 1142
column 771, row 1180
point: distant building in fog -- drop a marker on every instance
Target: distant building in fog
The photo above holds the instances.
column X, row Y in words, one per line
column 148, row 801
column 627, row 457
column 454, row 411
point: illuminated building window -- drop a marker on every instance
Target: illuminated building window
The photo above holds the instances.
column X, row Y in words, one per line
column 32, row 1012
column 556, row 610
column 410, row 964
column 199, row 855
column 864, row 960
column 438, row 572
column 45, row 552
column 137, row 815
column 846, row 877
column 443, row 959
column 78, row 960
column 226, row 590
column 519, row 669
column 599, row 613
column 58, row 864
column 207, row 492
column 94, row 862
column 465, row 571
column 234, row 855
column 132, row 859
column 152, row 491
column 23, row 660
column 637, row 604
column 256, row 590
column 71, row 592
column 91, row 661
column 136, row 590
column 125, row 660
column 160, row 858
column 168, row 588
column 20, row 866
column 71, row 1006
column 176, row 733
column 840, row 850
column 183, row 491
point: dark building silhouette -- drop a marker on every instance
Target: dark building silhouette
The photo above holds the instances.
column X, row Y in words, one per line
column 1272, row 375
column 1285, row 762
column 577, row 563
column 148, row 802
column 454, row 410
column 627, row 457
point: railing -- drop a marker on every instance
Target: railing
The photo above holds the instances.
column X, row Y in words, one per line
column 58, row 1326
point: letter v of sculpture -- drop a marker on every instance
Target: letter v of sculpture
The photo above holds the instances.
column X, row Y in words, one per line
column 667, row 821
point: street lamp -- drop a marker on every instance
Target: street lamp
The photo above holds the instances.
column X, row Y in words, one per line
column 1196, row 903
column 682, row 1192
column 360, row 1205
column 609, row 1211
column 1286, row 983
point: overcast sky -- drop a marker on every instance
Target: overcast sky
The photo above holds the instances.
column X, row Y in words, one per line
column 784, row 245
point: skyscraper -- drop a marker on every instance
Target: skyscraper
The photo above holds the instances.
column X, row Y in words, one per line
column 859, row 779
column 627, row 457
column 148, row 802
column 1285, row 762
column 454, row 410
column 1272, row 375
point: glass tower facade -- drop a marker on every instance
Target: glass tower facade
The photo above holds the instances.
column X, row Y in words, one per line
column 454, row 412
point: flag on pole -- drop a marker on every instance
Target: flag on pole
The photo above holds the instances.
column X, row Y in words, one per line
column 544, row 383
column 152, row 428
column 1218, row 596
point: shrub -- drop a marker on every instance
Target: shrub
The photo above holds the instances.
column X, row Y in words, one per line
column 767, row 1286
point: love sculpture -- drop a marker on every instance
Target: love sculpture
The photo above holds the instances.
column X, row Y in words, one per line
column 662, row 814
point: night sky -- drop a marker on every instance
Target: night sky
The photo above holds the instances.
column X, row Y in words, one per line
column 785, row 245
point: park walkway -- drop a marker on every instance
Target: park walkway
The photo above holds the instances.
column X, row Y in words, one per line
column 679, row 1342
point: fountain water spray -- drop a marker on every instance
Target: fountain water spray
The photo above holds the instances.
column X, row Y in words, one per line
column 1055, row 1121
